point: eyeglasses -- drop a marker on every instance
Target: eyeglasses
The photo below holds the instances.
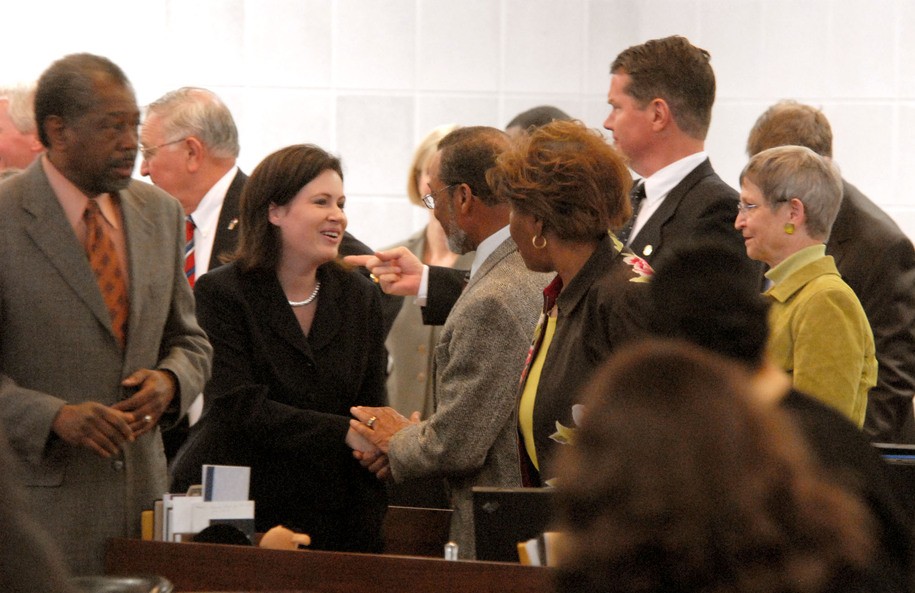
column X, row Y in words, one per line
column 747, row 209
column 150, row 152
column 744, row 208
column 429, row 199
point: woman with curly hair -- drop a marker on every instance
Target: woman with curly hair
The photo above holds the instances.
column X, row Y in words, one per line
column 681, row 480
column 567, row 186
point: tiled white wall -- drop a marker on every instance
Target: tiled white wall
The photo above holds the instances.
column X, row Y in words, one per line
column 368, row 78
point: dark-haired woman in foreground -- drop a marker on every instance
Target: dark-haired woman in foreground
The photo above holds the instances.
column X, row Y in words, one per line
column 681, row 480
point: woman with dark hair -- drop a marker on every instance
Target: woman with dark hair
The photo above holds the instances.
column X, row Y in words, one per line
column 680, row 480
column 567, row 186
column 297, row 341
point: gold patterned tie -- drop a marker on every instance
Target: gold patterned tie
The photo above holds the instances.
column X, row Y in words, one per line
column 104, row 262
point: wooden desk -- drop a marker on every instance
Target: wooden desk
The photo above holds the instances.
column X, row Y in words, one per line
column 212, row 567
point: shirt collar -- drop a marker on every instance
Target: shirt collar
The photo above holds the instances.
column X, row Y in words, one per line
column 206, row 215
column 658, row 185
column 73, row 200
column 486, row 247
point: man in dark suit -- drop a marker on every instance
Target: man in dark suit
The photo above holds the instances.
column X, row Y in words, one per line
column 661, row 96
column 875, row 258
column 100, row 343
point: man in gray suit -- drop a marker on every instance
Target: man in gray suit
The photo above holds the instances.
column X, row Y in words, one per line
column 470, row 440
column 86, row 381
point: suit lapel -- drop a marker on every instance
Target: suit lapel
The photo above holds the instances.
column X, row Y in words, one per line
column 501, row 252
column 227, row 226
column 262, row 289
column 52, row 234
column 650, row 233
column 139, row 232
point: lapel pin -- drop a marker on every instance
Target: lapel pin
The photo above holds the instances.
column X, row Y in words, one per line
column 648, row 249
column 233, row 224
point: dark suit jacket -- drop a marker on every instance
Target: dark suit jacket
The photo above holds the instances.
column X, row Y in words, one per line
column 289, row 423
column 701, row 206
column 445, row 286
column 877, row 260
column 599, row 311
column 226, row 237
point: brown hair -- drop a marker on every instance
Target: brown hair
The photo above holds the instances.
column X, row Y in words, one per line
column 790, row 122
column 276, row 180
column 679, row 481
column 674, row 70
column 567, row 176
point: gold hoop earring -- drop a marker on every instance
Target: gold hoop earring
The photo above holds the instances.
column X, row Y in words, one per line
column 789, row 228
column 534, row 242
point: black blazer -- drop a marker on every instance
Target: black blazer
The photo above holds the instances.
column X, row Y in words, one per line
column 700, row 207
column 279, row 401
column 877, row 260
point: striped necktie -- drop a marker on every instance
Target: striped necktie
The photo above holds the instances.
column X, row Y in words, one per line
column 103, row 259
column 637, row 196
column 189, row 266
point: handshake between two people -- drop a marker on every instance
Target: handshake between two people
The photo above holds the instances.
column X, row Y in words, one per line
column 369, row 436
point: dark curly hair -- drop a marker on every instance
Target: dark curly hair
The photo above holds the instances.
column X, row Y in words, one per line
column 567, row 176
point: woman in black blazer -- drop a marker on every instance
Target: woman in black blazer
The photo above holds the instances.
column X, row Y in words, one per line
column 297, row 341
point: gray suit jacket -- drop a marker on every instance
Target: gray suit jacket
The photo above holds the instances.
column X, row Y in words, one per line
column 411, row 345
column 57, row 347
column 471, row 440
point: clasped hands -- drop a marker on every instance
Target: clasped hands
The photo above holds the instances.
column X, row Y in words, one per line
column 105, row 429
column 370, row 435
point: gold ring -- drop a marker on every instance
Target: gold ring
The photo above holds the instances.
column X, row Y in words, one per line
column 147, row 419
column 371, row 421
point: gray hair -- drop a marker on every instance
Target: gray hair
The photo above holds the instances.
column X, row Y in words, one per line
column 191, row 111
column 786, row 172
column 21, row 106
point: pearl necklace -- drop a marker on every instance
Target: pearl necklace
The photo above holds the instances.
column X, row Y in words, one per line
column 314, row 295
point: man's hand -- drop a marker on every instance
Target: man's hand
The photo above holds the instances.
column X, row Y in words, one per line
column 378, row 425
column 397, row 270
column 375, row 461
column 155, row 391
column 95, row 426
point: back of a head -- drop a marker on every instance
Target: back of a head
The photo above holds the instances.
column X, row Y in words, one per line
column 191, row 111
column 699, row 294
column 20, row 106
column 791, row 123
column 467, row 154
column 67, row 87
column 674, row 70
column 679, row 480
column 536, row 117
column 567, row 176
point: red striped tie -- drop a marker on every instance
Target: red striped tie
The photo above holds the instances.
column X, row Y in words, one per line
column 103, row 258
column 189, row 227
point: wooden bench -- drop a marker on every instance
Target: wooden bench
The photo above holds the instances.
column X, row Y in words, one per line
column 213, row 567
